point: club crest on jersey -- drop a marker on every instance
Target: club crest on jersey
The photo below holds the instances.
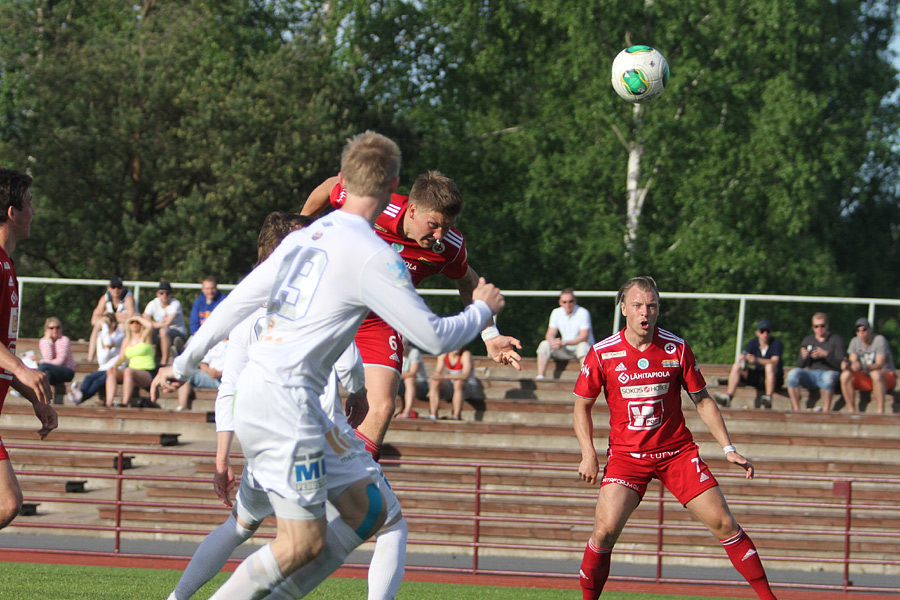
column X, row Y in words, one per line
column 669, row 348
column 438, row 247
column 643, row 363
column 621, row 367
column 309, row 472
column 607, row 355
column 397, row 246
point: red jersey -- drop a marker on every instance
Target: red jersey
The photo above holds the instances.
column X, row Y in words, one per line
column 643, row 390
column 9, row 315
column 420, row 262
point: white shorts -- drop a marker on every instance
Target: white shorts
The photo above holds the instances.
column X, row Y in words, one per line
column 292, row 448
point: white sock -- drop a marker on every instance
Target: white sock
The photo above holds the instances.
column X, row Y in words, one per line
column 210, row 556
column 258, row 574
column 388, row 562
column 340, row 541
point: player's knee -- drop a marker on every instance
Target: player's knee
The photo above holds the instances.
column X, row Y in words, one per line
column 9, row 509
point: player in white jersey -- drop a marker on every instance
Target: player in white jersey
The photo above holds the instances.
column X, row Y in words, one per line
column 320, row 283
column 253, row 506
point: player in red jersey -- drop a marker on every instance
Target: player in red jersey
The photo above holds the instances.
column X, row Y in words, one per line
column 642, row 370
column 15, row 225
column 420, row 228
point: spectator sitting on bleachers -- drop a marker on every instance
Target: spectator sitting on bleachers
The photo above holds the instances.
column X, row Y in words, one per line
column 57, row 360
column 208, row 375
column 760, row 365
column 140, row 356
column 818, row 364
column 569, row 334
column 453, row 378
column 109, row 344
column 868, row 368
column 205, row 303
column 413, row 380
column 167, row 321
column 118, row 300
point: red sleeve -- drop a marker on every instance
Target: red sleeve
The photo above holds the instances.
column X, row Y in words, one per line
column 337, row 196
column 459, row 266
column 590, row 380
column 690, row 371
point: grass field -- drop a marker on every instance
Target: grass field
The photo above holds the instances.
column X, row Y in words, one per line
column 20, row 581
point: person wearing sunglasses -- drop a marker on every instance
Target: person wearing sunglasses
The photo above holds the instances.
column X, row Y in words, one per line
column 868, row 368
column 760, row 366
column 818, row 364
column 57, row 360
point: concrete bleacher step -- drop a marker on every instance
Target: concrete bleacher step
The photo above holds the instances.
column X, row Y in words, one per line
column 98, row 437
column 26, row 459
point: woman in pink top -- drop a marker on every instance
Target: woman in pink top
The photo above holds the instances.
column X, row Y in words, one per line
column 57, row 360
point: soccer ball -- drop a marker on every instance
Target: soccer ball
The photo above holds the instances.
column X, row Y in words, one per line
column 640, row 73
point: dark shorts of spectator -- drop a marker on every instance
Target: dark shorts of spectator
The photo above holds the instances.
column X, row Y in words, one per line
column 757, row 379
column 421, row 389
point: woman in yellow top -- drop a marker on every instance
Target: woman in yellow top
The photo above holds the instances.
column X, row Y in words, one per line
column 139, row 353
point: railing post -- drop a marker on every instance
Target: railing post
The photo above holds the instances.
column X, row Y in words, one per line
column 844, row 490
column 660, row 515
column 477, row 528
column 120, row 458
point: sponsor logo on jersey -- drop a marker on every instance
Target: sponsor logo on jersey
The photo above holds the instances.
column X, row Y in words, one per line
column 655, row 455
column 621, row 367
column 309, row 471
column 11, row 282
column 380, row 228
column 411, row 266
column 645, row 415
column 704, row 477
column 626, row 377
column 607, row 355
column 671, row 363
column 395, row 357
column 425, row 261
column 398, row 247
column 14, row 298
column 669, row 348
column 13, row 323
column 317, row 235
column 645, row 391
column 585, row 370
column 6, row 265
column 643, row 363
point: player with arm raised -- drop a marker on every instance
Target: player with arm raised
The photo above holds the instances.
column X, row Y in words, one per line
column 251, row 506
column 642, row 370
column 420, row 228
column 319, row 284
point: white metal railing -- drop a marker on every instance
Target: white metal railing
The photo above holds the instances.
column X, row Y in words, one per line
column 742, row 299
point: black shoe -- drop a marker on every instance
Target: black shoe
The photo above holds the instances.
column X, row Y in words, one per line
column 722, row 399
column 766, row 401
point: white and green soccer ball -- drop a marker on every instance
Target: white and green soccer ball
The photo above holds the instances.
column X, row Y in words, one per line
column 640, row 73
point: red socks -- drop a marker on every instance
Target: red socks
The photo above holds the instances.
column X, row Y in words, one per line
column 594, row 570
column 373, row 447
column 745, row 559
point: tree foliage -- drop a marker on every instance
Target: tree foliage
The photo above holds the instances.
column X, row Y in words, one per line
column 163, row 132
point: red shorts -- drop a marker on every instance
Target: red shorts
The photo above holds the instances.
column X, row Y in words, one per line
column 863, row 381
column 379, row 344
column 4, row 455
column 682, row 471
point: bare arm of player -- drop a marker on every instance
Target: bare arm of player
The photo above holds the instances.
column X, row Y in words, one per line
column 32, row 379
column 712, row 417
column 223, row 479
column 318, row 199
column 584, row 431
column 501, row 348
column 44, row 411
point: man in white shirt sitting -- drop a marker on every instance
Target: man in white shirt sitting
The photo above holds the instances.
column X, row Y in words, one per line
column 569, row 335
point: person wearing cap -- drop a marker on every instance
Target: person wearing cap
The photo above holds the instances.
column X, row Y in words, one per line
column 818, row 364
column 760, row 366
column 169, row 329
column 869, row 367
column 117, row 300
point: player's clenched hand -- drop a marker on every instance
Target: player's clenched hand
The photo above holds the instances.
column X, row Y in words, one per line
column 223, row 483
column 356, row 407
column 588, row 469
column 502, row 349
column 490, row 294
column 735, row 458
column 46, row 414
